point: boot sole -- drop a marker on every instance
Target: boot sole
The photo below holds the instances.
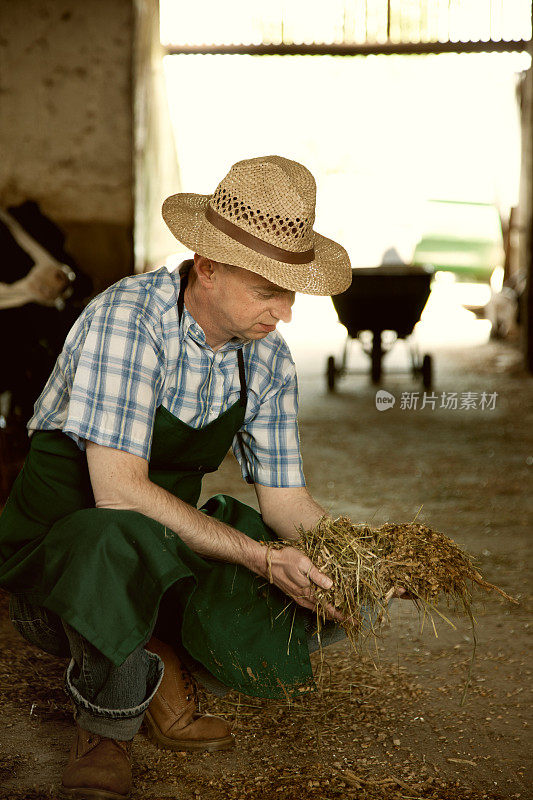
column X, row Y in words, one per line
column 155, row 736
column 90, row 794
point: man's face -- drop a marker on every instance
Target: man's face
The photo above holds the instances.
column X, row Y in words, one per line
column 249, row 306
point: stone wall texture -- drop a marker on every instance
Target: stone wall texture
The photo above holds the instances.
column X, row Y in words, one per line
column 66, row 122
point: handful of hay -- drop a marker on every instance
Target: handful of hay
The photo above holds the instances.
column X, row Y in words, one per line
column 366, row 563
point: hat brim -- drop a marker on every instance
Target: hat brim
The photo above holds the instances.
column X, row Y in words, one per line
column 329, row 272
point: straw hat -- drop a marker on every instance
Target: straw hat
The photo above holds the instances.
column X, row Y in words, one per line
column 261, row 218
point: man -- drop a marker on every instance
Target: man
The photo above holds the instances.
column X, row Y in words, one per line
column 108, row 559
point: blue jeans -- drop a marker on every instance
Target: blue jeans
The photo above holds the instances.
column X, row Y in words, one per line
column 108, row 700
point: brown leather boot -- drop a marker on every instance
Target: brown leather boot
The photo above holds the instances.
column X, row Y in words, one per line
column 97, row 769
column 172, row 719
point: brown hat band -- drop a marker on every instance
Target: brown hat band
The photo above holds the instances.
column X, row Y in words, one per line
column 256, row 244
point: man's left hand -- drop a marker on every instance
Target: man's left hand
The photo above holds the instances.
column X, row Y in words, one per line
column 398, row 591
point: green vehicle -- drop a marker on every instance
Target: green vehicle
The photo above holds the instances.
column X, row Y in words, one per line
column 461, row 237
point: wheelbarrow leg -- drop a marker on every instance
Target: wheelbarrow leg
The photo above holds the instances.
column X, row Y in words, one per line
column 331, row 373
column 416, row 361
column 376, row 356
column 345, row 355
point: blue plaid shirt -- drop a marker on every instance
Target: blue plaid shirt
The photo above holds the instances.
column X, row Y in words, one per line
column 128, row 353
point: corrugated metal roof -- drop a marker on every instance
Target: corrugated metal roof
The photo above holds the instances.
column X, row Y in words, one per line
column 342, row 22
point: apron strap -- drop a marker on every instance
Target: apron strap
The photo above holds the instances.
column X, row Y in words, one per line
column 240, row 358
column 242, row 377
column 184, row 277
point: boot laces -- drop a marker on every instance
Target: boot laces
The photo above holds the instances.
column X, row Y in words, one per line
column 95, row 738
column 190, row 685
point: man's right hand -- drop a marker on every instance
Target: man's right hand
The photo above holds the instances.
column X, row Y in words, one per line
column 297, row 576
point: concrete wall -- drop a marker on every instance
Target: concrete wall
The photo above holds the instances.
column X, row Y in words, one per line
column 66, row 123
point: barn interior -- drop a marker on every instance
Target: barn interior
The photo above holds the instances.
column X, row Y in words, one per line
column 415, row 389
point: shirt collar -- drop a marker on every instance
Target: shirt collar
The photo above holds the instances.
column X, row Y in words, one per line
column 189, row 326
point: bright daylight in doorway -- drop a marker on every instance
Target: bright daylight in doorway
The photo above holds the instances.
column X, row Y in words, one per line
column 383, row 135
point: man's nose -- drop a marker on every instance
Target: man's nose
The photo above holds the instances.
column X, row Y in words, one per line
column 282, row 309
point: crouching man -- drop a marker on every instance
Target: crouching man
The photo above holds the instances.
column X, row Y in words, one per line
column 107, row 557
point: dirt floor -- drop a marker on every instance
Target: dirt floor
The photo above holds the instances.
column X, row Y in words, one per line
column 387, row 723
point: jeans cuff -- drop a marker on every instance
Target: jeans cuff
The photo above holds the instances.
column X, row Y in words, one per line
column 114, row 723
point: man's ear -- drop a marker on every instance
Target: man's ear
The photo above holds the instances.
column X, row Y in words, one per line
column 204, row 269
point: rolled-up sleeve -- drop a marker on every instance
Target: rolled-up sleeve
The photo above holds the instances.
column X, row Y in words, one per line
column 268, row 445
column 116, row 381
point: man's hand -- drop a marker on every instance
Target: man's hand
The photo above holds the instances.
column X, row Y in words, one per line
column 285, row 510
column 296, row 575
column 398, row 591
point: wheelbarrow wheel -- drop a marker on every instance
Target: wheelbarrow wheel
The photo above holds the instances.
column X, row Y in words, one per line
column 331, row 373
column 427, row 371
column 376, row 357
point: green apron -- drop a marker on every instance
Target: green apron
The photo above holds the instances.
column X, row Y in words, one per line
column 109, row 573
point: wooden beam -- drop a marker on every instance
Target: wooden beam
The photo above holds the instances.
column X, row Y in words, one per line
column 526, row 214
column 404, row 48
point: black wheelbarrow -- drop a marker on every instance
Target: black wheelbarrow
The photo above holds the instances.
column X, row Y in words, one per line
column 382, row 299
